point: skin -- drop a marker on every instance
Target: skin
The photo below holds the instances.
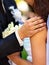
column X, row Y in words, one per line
column 38, row 46
column 30, row 2
column 38, row 51
column 31, row 27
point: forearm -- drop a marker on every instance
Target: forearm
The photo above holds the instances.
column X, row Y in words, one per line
column 17, row 60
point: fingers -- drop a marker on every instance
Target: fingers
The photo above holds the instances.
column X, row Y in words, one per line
column 39, row 26
column 33, row 19
column 38, row 22
column 32, row 26
column 36, row 31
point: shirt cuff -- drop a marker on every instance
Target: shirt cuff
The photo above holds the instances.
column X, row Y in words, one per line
column 17, row 35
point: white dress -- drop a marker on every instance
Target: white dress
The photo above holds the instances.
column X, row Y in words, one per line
column 48, row 42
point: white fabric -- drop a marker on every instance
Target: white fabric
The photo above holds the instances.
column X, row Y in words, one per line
column 11, row 63
column 16, row 13
column 18, row 37
column 27, row 47
column 48, row 42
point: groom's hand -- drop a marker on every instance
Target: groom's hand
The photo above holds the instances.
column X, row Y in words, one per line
column 13, row 55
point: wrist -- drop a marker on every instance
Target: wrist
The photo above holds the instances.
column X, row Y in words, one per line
column 20, row 32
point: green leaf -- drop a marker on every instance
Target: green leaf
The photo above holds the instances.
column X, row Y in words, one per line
column 24, row 54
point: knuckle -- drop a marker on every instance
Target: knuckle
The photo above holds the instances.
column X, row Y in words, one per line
column 41, row 20
column 36, row 30
column 39, row 25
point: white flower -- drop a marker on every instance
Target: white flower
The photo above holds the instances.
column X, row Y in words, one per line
column 16, row 14
column 22, row 5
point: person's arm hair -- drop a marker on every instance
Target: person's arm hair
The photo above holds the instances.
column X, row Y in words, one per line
column 38, row 46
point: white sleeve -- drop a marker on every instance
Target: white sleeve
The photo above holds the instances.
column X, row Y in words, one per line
column 17, row 35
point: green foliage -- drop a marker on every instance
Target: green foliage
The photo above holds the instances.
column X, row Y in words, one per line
column 24, row 54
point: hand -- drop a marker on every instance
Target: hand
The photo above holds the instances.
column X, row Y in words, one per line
column 13, row 55
column 31, row 27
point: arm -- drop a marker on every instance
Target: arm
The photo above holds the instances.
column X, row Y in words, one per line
column 38, row 45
